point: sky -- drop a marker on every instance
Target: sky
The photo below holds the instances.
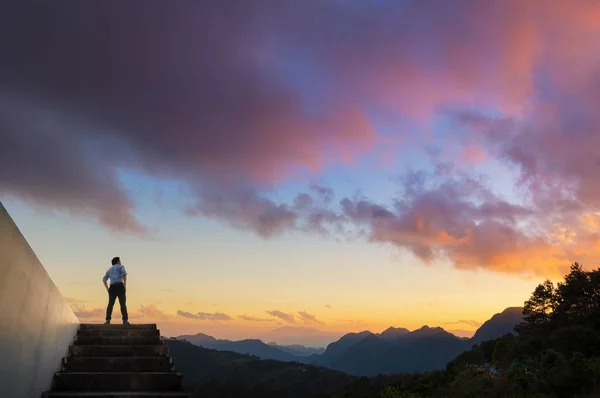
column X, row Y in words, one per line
column 339, row 165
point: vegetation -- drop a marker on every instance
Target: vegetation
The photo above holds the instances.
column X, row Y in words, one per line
column 555, row 354
column 211, row 373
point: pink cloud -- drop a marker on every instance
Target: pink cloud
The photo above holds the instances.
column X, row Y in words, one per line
column 232, row 103
column 473, row 154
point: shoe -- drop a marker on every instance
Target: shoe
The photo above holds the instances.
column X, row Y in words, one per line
column 107, row 323
column 126, row 323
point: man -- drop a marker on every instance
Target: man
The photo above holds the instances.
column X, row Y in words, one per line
column 118, row 285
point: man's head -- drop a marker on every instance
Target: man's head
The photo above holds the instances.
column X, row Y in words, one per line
column 116, row 260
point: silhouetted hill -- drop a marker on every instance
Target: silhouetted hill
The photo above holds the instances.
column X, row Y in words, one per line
column 200, row 339
column 211, row 373
column 396, row 350
column 249, row 346
column 555, row 354
column 417, row 351
column 337, row 348
column 393, row 333
column 499, row 325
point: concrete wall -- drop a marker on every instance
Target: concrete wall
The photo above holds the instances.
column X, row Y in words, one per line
column 36, row 323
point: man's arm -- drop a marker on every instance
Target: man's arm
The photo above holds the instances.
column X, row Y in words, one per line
column 124, row 275
column 104, row 280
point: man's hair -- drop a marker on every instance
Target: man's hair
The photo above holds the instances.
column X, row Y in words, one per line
column 115, row 260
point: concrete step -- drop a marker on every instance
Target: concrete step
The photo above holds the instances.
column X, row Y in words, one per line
column 118, row 350
column 119, row 332
column 116, row 394
column 117, row 340
column 117, row 326
column 107, row 381
column 117, row 364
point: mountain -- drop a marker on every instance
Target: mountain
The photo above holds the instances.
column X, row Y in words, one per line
column 465, row 334
column 249, row 346
column 210, row 373
column 499, row 325
column 393, row 352
column 201, row 339
column 338, row 348
column 392, row 333
column 298, row 350
column 397, row 350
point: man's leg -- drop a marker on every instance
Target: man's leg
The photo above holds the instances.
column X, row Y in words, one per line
column 112, row 296
column 123, row 303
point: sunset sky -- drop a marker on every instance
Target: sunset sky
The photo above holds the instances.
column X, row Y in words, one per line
column 339, row 165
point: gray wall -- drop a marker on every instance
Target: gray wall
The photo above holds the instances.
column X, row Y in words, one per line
column 36, row 323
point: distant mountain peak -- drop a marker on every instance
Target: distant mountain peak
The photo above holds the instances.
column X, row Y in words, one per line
column 429, row 329
column 392, row 329
column 393, row 333
column 517, row 310
column 258, row 341
column 197, row 337
column 500, row 324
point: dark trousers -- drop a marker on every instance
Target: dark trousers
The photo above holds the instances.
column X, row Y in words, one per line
column 114, row 291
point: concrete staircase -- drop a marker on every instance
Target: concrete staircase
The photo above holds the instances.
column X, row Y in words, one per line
column 122, row 361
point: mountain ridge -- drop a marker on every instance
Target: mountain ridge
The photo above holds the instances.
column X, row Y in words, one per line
column 423, row 349
column 395, row 350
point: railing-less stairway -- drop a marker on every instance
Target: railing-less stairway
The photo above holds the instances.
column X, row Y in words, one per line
column 122, row 361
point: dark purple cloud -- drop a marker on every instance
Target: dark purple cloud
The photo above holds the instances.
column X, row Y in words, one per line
column 233, row 97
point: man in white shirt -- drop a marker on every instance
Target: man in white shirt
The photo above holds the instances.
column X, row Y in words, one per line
column 118, row 285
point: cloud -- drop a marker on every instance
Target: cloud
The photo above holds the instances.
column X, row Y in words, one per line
column 100, row 118
column 254, row 319
column 328, row 306
column 217, row 316
column 309, row 318
column 186, row 314
column 473, row 154
column 205, row 316
column 71, row 300
column 232, row 103
column 472, row 323
column 150, row 311
column 288, row 318
column 83, row 312
column 355, row 322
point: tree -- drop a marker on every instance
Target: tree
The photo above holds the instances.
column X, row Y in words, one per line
column 538, row 310
column 395, row 392
column 576, row 295
column 504, row 351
